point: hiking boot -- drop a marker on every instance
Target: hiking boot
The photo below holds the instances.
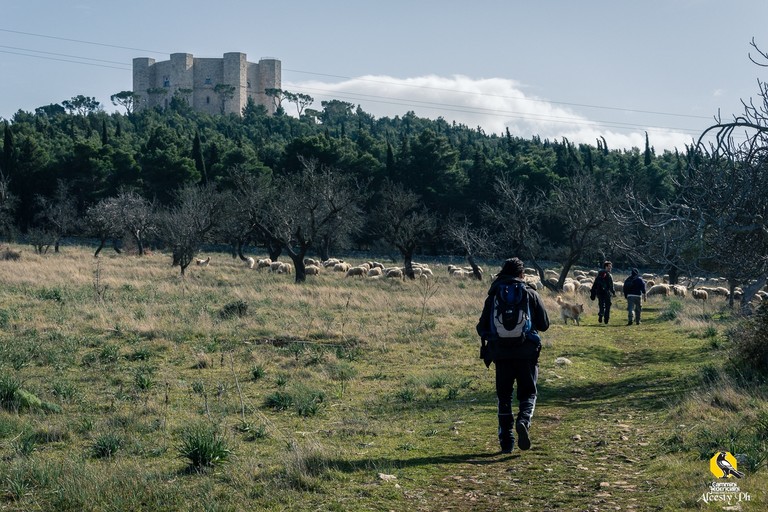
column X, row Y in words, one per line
column 599, row 319
column 637, row 323
column 506, row 443
column 506, row 439
column 523, row 440
column 630, row 322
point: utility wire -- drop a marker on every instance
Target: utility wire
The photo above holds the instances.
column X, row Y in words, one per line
column 82, row 42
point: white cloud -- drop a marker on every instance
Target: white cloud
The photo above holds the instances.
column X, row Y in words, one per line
column 494, row 104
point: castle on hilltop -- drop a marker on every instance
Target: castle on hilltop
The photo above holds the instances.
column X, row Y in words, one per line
column 213, row 86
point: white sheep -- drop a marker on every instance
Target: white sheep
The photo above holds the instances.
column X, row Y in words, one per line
column 356, row 271
column 203, row 263
column 263, row 263
column 310, row 261
column 341, row 267
column 394, row 273
column 250, row 262
column 285, row 268
column 312, row 270
column 375, row 272
column 699, row 294
column 679, row 290
column 331, row 262
column 659, row 289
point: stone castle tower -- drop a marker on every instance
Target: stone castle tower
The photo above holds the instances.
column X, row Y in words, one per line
column 213, row 86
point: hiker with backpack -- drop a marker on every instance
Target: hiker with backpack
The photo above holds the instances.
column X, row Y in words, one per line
column 634, row 291
column 603, row 289
column 512, row 315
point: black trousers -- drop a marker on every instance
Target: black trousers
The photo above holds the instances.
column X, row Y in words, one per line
column 525, row 372
column 604, row 306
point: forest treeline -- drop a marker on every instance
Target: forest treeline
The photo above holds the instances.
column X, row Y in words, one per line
column 329, row 181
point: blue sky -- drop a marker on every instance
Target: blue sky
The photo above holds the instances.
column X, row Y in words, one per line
column 557, row 68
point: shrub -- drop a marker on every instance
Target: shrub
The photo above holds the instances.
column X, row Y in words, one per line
column 673, row 310
column 749, row 344
column 204, row 447
column 279, row 400
column 257, row 372
column 238, row 308
column 106, row 445
column 8, row 389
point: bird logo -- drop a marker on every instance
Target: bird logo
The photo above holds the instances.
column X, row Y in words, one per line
column 724, row 465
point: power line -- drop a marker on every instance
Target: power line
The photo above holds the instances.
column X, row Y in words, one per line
column 82, row 42
column 65, row 60
column 59, row 55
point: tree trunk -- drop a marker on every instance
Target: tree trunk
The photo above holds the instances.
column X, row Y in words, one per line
column 102, row 242
column 749, row 293
column 673, row 275
column 408, row 263
column 475, row 269
column 274, row 250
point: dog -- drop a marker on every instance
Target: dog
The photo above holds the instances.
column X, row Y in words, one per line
column 572, row 311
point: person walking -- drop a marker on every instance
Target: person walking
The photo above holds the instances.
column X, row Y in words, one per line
column 513, row 315
column 603, row 289
column 634, row 292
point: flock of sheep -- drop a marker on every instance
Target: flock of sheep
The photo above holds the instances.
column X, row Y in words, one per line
column 369, row 269
column 581, row 282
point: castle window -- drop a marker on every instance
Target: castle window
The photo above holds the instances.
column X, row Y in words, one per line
column 208, row 99
column 166, row 81
column 207, row 80
column 248, row 83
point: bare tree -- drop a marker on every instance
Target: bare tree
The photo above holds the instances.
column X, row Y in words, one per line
column 297, row 211
column 186, row 225
column 472, row 240
column 137, row 217
column 581, row 209
column 402, row 220
column 58, row 215
column 717, row 222
column 515, row 220
column 102, row 221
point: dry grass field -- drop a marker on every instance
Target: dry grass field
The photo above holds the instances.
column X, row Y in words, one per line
column 125, row 387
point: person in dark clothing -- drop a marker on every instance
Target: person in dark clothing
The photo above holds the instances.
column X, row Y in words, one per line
column 515, row 359
column 634, row 291
column 602, row 288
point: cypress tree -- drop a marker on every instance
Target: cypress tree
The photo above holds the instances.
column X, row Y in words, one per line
column 197, row 155
column 7, row 160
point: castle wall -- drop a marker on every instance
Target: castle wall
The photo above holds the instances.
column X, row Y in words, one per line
column 196, row 80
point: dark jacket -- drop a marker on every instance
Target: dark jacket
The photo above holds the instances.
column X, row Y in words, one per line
column 503, row 349
column 634, row 285
column 603, row 284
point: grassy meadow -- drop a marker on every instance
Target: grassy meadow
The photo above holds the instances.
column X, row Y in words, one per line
column 124, row 387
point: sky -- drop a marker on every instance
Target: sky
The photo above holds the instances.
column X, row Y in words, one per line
column 550, row 68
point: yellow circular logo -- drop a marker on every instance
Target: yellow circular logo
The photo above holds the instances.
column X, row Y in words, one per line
column 724, row 465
